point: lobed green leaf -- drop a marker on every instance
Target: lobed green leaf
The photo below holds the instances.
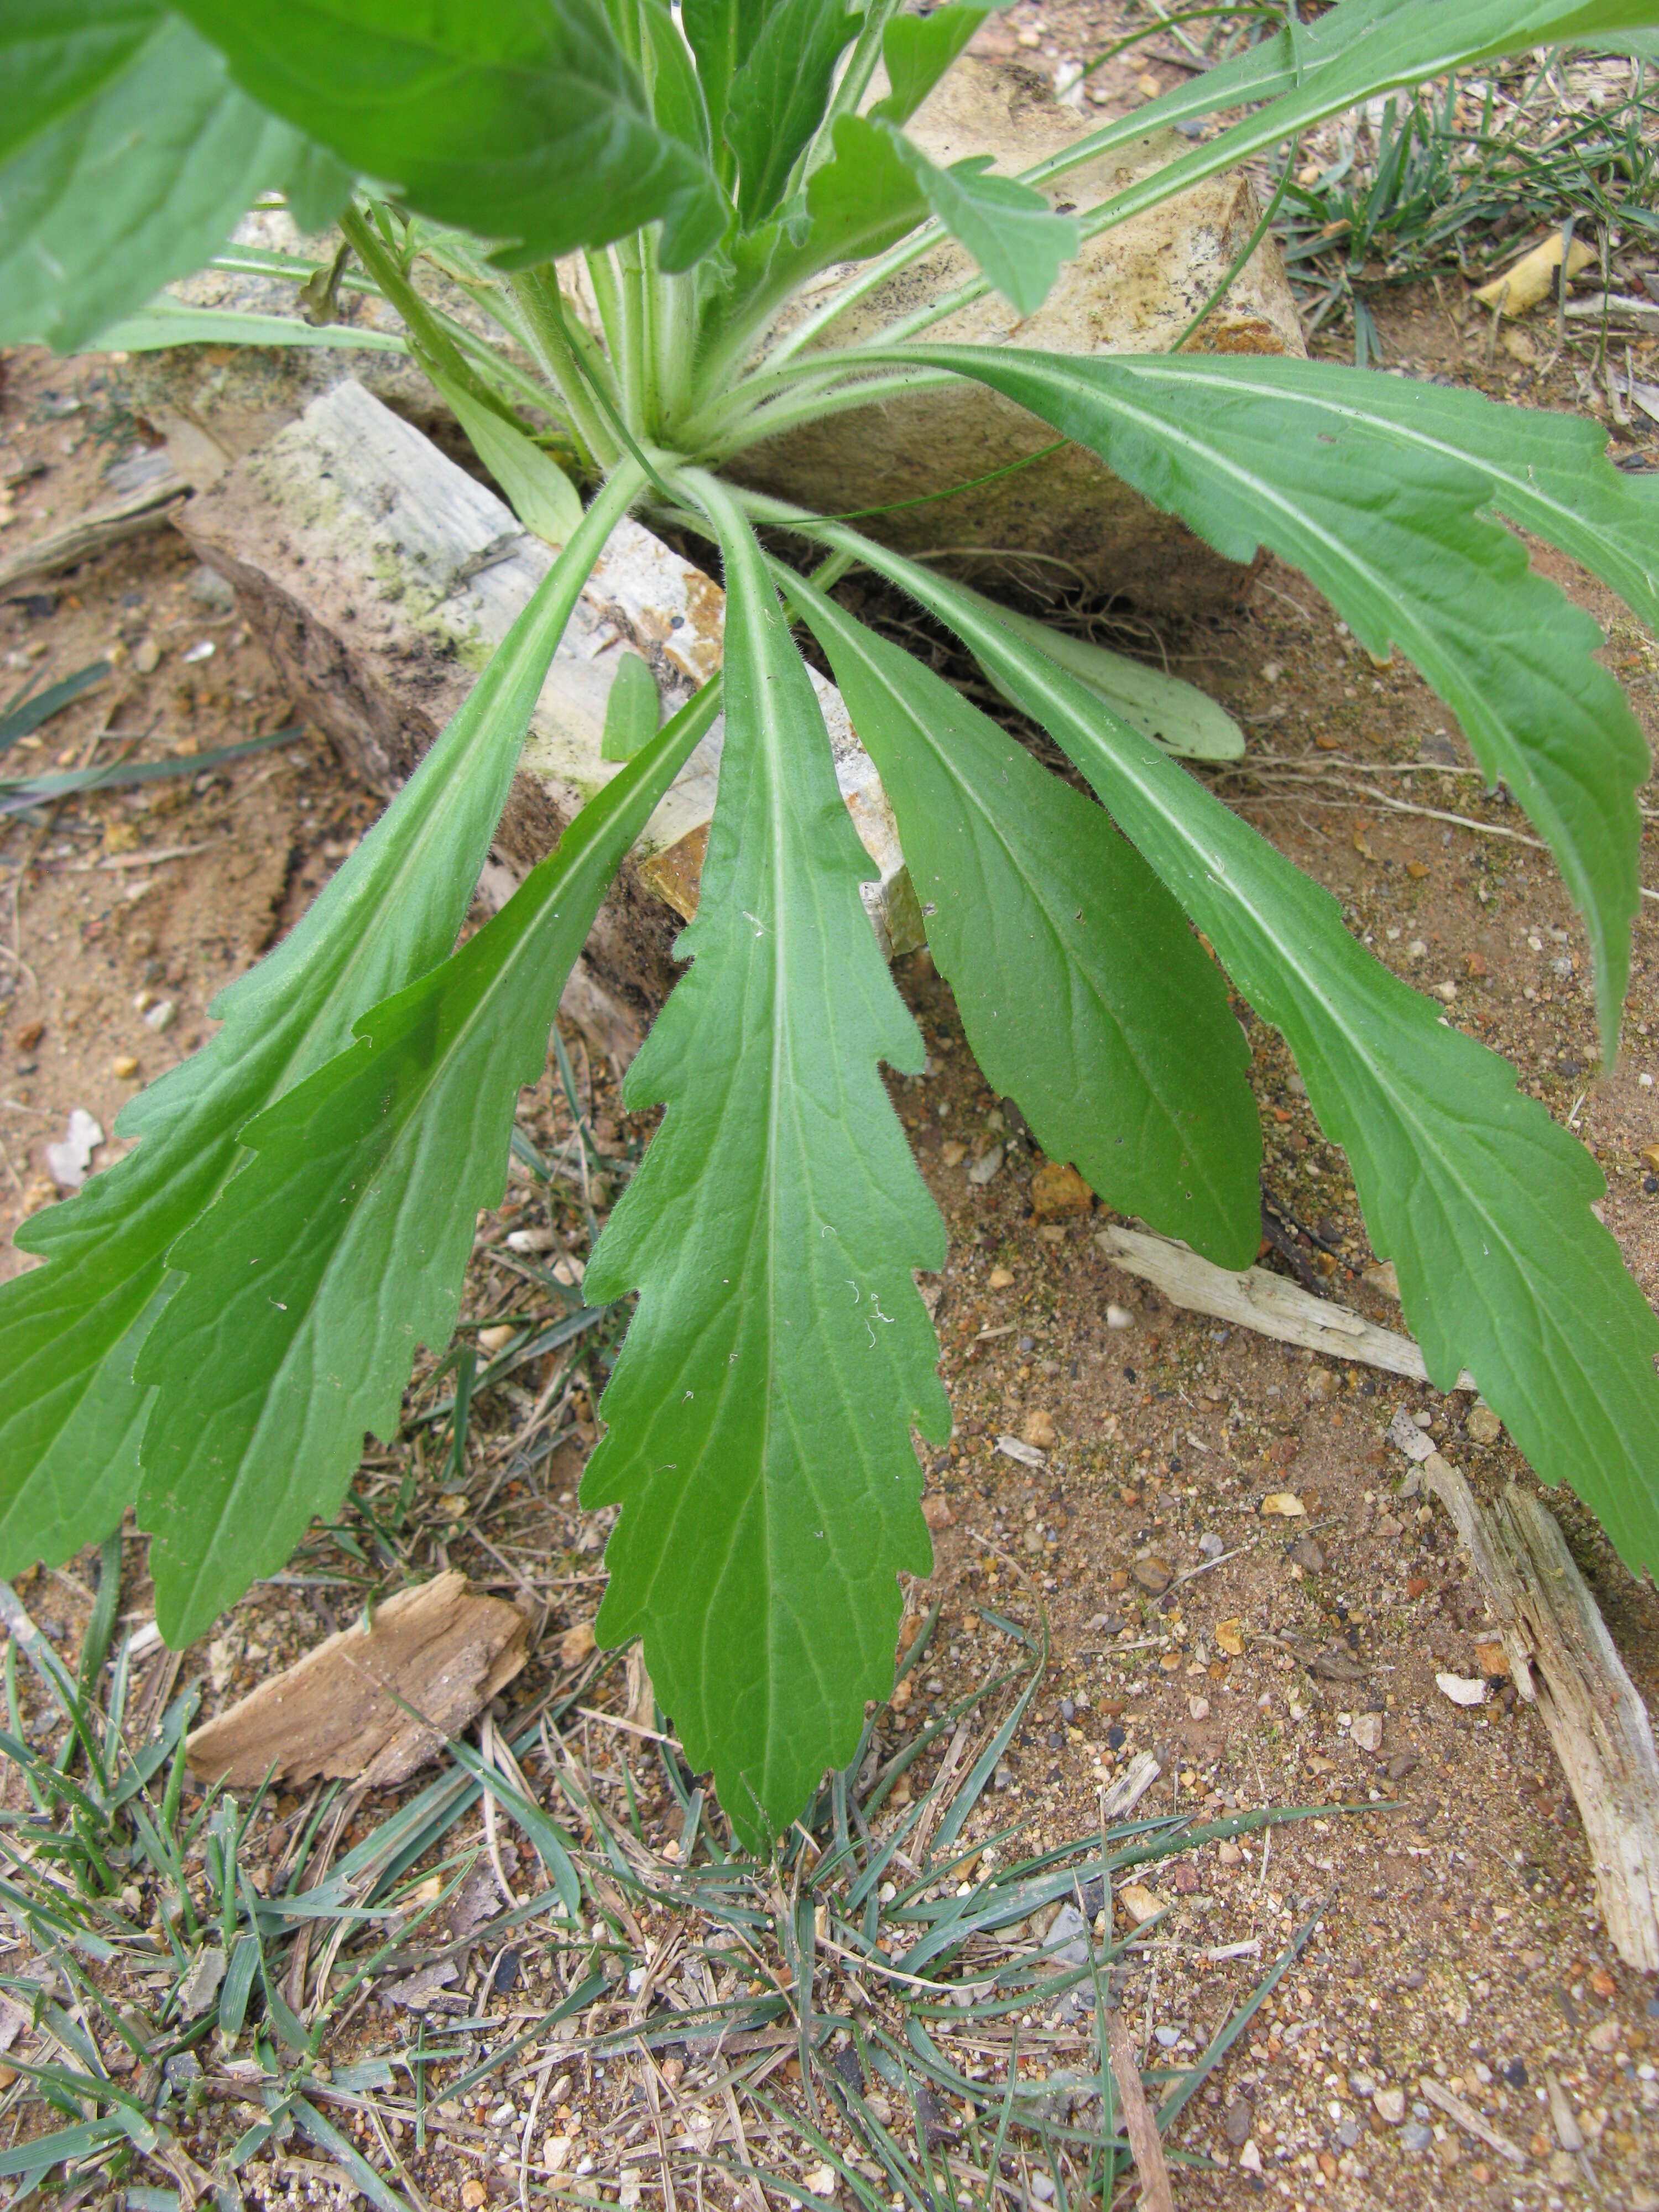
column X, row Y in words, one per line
column 70, row 1331
column 861, row 201
column 917, row 50
column 523, row 121
column 1389, row 523
column 1481, row 1201
column 777, row 98
column 676, row 95
column 56, row 54
column 1181, row 718
column 1065, row 954
column 759, row 1415
column 721, row 33
column 1010, row 229
column 138, row 177
column 340, row 1246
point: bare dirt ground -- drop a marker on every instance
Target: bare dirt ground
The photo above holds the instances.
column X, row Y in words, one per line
column 1458, row 1934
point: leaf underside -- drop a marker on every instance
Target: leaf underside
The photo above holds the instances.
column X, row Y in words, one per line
column 140, row 180
column 1481, row 1201
column 1082, row 991
column 1295, row 455
column 759, row 1415
column 523, row 121
column 341, row 1247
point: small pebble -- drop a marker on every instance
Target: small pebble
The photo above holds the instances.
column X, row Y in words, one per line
column 1211, row 1544
column 1239, row 2123
column 162, row 1015
column 1168, row 2037
column 1483, row 1425
column 1119, row 1318
column 1152, row 1574
column 124, row 1067
column 1390, row 2104
column 1462, row 1690
column 1367, row 1731
column 984, row 1168
column 1416, row 2138
column 147, row 656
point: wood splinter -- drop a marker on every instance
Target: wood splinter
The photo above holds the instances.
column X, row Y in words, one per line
column 1562, row 1659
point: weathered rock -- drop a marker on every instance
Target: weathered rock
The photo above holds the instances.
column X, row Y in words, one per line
column 381, row 577
column 1132, row 290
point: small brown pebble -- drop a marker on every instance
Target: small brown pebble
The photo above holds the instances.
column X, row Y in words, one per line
column 575, row 1643
column 1153, row 1574
column 473, row 2194
column 1001, row 1279
column 123, row 1066
column 29, row 1035
column 1058, row 1190
column 1039, row 1430
column 1602, row 1983
column 936, row 1512
column 1417, row 870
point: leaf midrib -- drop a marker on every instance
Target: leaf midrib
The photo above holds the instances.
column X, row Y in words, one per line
column 1528, row 491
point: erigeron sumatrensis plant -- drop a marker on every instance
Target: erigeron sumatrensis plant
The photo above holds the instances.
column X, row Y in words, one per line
column 223, row 1314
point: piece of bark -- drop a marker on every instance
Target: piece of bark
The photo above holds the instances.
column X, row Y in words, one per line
column 1264, row 1302
column 1562, row 1658
column 147, row 508
column 441, row 1648
column 381, row 577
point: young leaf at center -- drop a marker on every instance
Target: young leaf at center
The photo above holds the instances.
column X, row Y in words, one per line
column 760, row 1414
